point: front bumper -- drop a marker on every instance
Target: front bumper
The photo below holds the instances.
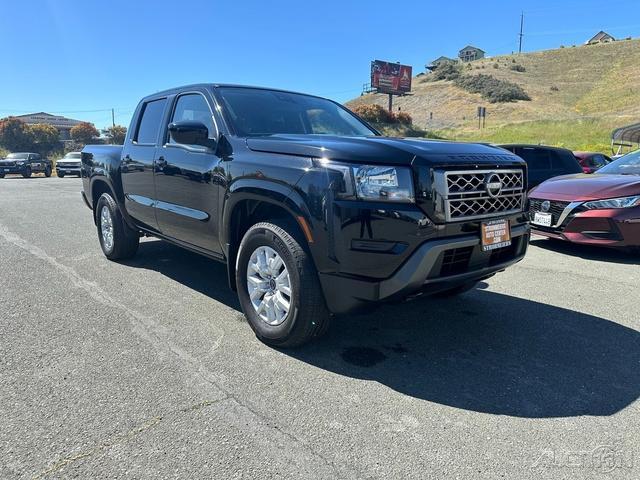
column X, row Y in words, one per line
column 427, row 270
column 68, row 170
column 605, row 227
column 13, row 170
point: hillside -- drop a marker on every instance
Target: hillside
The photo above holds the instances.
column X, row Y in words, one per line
column 578, row 95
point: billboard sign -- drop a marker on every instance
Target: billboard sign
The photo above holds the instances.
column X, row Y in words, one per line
column 388, row 77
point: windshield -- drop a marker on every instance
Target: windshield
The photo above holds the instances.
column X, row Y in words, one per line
column 18, row 155
column 73, row 156
column 254, row 112
column 628, row 164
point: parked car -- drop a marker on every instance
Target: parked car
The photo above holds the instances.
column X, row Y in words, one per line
column 312, row 211
column 545, row 162
column 25, row 164
column 597, row 209
column 69, row 164
column 591, row 161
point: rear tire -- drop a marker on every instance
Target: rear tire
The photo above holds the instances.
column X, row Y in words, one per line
column 27, row 173
column 47, row 172
column 117, row 240
column 299, row 294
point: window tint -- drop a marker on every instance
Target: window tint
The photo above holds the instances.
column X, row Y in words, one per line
column 597, row 161
column 536, row 158
column 565, row 162
column 150, row 121
column 193, row 107
column 254, row 112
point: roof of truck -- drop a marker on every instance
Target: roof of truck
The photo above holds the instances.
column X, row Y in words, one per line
column 219, row 85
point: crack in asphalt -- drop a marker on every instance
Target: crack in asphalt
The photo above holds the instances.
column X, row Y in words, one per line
column 120, row 439
column 157, row 336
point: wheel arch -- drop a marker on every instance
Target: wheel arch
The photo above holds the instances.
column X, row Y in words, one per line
column 252, row 202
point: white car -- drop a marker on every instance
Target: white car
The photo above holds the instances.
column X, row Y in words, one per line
column 69, row 164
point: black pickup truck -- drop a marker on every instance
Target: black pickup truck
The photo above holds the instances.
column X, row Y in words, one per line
column 313, row 212
column 25, row 164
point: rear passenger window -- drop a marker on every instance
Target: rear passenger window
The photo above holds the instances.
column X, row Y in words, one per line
column 537, row 159
column 565, row 162
column 150, row 121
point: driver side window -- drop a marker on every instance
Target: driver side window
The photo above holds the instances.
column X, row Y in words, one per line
column 193, row 107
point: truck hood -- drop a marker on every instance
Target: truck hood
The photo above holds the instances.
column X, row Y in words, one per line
column 377, row 150
column 583, row 187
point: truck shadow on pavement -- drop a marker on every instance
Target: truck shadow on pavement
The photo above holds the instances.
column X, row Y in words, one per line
column 482, row 351
column 588, row 252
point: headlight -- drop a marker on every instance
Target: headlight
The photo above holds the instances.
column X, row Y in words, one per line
column 20, row 162
column 622, row 202
column 375, row 182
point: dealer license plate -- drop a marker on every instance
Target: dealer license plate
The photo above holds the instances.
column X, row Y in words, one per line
column 495, row 234
column 542, row 219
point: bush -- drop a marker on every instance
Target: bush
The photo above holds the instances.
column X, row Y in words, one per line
column 377, row 114
column 84, row 133
column 15, row 135
column 446, row 71
column 554, row 88
column 373, row 113
column 518, row 68
column 492, row 89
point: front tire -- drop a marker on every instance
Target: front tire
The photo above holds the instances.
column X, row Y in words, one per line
column 117, row 239
column 60, row 175
column 47, row 172
column 278, row 287
column 27, row 173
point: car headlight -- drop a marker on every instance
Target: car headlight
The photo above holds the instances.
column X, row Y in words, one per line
column 20, row 162
column 374, row 182
column 622, row 202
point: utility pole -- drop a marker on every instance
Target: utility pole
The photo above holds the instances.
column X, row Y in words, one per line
column 113, row 118
column 521, row 32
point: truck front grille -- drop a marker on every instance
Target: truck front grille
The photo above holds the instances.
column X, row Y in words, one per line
column 474, row 194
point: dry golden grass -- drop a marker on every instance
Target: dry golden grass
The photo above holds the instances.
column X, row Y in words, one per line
column 596, row 88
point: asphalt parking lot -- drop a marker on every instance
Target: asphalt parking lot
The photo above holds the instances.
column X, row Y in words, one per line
column 148, row 369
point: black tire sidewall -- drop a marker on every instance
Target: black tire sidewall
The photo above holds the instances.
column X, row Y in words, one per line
column 105, row 200
column 266, row 237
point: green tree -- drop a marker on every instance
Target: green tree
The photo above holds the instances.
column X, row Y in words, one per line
column 46, row 138
column 15, row 135
column 84, row 133
column 116, row 134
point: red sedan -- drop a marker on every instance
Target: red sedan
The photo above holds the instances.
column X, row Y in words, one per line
column 597, row 209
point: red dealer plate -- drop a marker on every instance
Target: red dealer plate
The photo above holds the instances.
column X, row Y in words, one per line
column 496, row 234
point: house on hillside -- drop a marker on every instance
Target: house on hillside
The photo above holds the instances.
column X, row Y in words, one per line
column 433, row 65
column 63, row 124
column 470, row 53
column 600, row 37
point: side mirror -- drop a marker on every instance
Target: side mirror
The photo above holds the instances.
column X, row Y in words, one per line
column 191, row 133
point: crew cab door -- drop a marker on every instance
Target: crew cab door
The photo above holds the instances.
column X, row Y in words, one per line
column 138, row 163
column 188, row 178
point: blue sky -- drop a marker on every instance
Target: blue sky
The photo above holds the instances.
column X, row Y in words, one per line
column 80, row 58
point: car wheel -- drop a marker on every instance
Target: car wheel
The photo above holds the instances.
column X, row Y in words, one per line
column 117, row 239
column 47, row 172
column 1, row 175
column 278, row 286
column 452, row 292
column 60, row 175
column 27, row 173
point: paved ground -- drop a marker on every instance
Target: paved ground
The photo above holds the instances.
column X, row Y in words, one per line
column 149, row 370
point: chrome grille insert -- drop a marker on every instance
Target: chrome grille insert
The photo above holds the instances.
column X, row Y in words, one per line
column 471, row 194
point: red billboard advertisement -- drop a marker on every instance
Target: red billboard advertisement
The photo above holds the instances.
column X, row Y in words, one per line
column 388, row 77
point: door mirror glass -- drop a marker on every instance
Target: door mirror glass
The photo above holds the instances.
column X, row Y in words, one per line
column 189, row 132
